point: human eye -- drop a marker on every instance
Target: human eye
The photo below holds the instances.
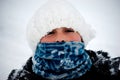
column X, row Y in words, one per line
column 50, row 33
column 69, row 30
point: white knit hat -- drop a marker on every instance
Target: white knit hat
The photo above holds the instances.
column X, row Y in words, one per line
column 55, row 14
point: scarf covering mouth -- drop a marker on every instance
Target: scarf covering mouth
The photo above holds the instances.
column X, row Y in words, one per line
column 61, row 60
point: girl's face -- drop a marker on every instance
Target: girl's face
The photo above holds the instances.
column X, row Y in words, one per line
column 62, row 34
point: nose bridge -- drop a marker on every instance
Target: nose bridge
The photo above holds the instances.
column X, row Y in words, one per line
column 61, row 37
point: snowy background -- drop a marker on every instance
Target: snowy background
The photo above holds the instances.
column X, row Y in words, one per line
column 103, row 15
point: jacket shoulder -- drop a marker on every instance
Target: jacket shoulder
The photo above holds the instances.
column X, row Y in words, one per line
column 25, row 73
column 104, row 64
column 19, row 74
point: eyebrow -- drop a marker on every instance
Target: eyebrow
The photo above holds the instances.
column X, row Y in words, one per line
column 67, row 28
column 63, row 28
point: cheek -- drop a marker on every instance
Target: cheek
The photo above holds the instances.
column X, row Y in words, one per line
column 75, row 37
column 47, row 39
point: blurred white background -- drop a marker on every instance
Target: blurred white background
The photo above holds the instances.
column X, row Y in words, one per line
column 103, row 15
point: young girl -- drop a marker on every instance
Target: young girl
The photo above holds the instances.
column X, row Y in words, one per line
column 58, row 35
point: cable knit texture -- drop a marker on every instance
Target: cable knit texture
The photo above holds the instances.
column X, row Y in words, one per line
column 61, row 60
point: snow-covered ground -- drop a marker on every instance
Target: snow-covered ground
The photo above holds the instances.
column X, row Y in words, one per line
column 103, row 15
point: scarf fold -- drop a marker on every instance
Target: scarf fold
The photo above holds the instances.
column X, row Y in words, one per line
column 61, row 60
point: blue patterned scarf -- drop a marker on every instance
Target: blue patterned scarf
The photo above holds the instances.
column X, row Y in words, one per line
column 61, row 60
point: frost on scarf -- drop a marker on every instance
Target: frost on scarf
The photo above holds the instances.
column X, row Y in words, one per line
column 61, row 60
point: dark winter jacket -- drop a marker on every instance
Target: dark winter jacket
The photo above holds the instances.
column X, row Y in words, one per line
column 103, row 68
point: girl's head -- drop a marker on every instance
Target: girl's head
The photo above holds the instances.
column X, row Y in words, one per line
column 58, row 20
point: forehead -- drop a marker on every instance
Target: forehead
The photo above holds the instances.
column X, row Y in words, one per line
column 62, row 28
